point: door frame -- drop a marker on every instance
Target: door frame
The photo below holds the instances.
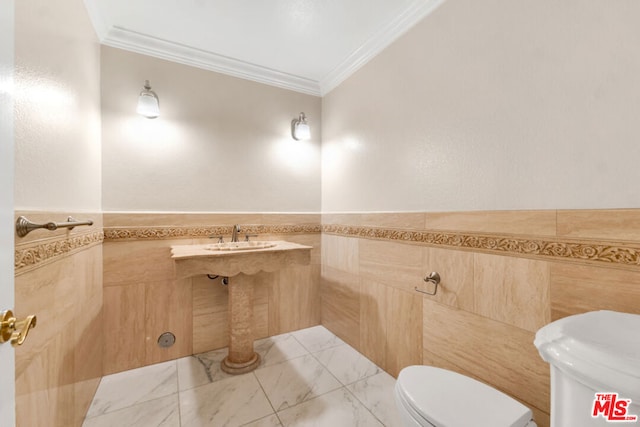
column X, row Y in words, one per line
column 7, row 354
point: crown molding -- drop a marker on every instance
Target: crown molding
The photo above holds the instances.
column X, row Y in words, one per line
column 123, row 38
column 152, row 46
column 413, row 14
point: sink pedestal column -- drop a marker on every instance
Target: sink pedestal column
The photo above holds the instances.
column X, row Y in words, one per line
column 242, row 358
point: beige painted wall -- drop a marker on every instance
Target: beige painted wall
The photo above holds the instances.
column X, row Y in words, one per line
column 498, row 104
column 57, row 103
column 221, row 144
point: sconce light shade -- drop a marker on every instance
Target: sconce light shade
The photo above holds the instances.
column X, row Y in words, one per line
column 148, row 102
column 300, row 130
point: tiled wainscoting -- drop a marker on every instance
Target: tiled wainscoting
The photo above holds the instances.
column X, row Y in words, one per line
column 142, row 298
column 59, row 279
column 102, row 305
column 504, row 275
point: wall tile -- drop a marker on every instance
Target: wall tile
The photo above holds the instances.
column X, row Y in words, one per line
column 541, row 223
column 609, row 224
column 88, row 341
column 209, row 296
column 374, row 299
column 62, row 357
column 341, row 218
column 512, row 290
column 124, row 346
column 431, row 359
column 456, row 274
column 404, row 331
column 210, row 331
column 340, row 293
column 340, row 253
column 289, row 218
column 395, row 264
column 138, row 261
column 168, row 308
column 577, row 289
column 403, row 220
column 498, row 354
column 294, row 299
column 84, row 391
column 131, row 219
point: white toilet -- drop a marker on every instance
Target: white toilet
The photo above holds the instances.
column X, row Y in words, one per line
column 596, row 352
column 429, row 396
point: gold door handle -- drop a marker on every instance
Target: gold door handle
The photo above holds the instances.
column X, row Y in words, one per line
column 13, row 330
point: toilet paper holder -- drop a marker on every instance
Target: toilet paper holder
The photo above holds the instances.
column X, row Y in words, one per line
column 434, row 278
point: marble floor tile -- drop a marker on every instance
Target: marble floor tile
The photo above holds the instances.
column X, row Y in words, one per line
column 124, row 389
column 230, row 402
column 376, row 394
column 316, row 338
column 270, row 421
column 337, row 408
column 162, row 412
column 346, row 364
column 292, row 382
column 278, row 349
column 201, row 369
column 306, row 378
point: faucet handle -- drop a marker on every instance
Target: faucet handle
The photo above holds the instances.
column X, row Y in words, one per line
column 220, row 239
column 246, row 236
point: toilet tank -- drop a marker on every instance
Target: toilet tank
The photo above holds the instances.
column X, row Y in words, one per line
column 595, row 369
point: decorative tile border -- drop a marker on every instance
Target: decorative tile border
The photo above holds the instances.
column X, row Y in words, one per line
column 567, row 249
column 613, row 254
column 160, row 233
column 34, row 255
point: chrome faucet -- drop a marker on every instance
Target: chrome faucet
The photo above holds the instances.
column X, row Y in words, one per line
column 234, row 233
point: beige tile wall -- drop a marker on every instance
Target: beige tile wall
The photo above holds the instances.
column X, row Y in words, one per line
column 59, row 366
column 143, row 299
column 483, row 320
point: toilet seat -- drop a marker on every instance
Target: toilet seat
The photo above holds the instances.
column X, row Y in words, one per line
column 434, row 396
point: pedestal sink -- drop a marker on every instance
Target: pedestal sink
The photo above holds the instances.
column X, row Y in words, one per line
column 241, row 262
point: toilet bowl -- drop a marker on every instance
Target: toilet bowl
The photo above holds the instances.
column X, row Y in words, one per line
column 430, row 396
column 591, row 354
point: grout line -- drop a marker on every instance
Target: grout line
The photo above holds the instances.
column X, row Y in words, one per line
column 364, row 405
column 264, row 392
column 179, row 394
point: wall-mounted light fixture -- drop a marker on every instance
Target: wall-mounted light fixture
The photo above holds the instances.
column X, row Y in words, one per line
column 300, row 130
column 148, row 102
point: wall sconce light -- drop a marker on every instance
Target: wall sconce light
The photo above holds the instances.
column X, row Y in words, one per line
column 148, row 102
column 300, row 130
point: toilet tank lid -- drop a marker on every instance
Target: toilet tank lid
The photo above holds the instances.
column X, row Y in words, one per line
column 600, row 349
column 448, row 399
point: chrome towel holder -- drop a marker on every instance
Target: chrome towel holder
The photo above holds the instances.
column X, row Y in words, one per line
column 434, row 278
column 24, row 226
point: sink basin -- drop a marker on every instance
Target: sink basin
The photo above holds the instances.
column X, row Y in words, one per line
column 231, row 258
column 239, row 246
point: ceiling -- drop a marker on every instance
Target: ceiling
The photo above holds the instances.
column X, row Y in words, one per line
column 309, row 46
